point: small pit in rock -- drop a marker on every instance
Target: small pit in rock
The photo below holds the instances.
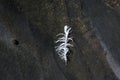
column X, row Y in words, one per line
column 15, row 42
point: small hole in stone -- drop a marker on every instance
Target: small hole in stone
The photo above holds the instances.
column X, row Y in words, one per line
column 15, row 42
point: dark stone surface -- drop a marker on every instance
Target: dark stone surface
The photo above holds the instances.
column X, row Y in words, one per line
column 27, row 34
column 106, row 23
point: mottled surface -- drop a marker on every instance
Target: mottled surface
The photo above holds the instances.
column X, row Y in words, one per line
column 106, row 22
column 27, row 34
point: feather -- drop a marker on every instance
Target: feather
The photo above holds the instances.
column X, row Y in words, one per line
column 63, row 48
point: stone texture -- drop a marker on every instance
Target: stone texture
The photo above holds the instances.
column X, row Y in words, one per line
column 34, row 24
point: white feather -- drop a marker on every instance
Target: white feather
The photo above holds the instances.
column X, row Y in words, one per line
column 63, row 48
